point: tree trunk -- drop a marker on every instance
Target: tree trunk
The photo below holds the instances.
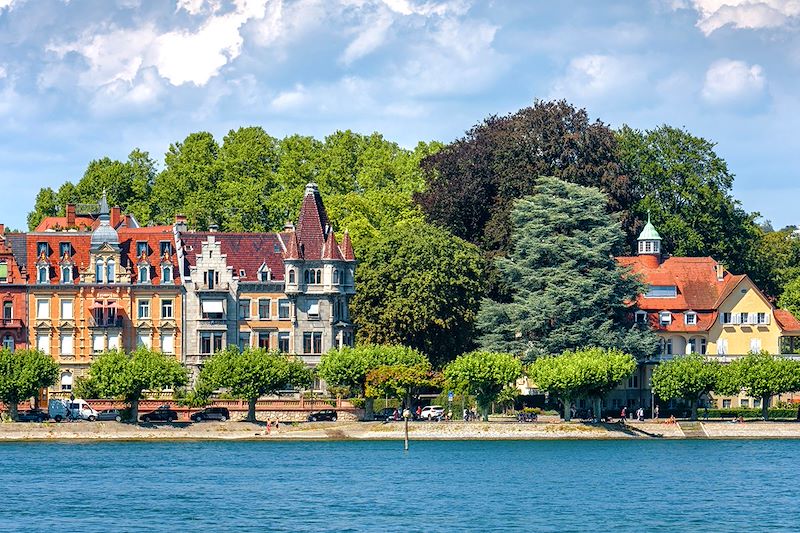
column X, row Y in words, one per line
column 765, row 407
column 369, row 408
column 598, row 406
column 135, row 411
column 12, row 411
column 567, row 411
column 485, row 412
column 694, row 409
column 251, row 409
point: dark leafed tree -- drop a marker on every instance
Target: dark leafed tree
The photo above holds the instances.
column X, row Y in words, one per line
column 567, row 290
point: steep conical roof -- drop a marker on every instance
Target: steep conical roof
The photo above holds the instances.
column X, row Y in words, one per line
column 293, row 247
column 331, row 248
column 104, row 233
column 347, row 248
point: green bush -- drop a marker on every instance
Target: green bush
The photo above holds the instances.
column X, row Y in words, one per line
column 744, row 412
column 358, row 403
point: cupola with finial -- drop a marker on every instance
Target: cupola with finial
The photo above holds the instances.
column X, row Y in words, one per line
column 649, row 240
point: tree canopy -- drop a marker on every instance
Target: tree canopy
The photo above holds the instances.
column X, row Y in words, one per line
column 484, row 375
column 565, row 287
column 760, row 375
column 419, row 286
column 23, row 373
column 686, row 377
column 401, row 381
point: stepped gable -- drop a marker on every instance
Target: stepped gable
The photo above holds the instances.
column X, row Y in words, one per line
column 347, row 248
column 244, row 251
column 153, row 236
column 312, row 225
column 331, row 249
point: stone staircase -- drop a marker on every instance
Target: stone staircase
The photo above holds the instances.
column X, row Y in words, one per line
column 693, row 430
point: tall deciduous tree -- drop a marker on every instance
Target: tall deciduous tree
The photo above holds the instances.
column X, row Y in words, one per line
column 484, row 375
column 127, row 376
column 401, row 381
column 419, row 286
column 587, row 372
column 253, row 373
column 565, row 287
column 686, row 377
column 22, row 374
column 760, row 375
column 348, row 367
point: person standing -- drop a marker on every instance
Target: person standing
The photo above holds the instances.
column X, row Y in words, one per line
column 624, row 413
column 655, row 413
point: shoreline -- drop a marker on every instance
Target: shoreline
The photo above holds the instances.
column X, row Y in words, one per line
column 375, row 431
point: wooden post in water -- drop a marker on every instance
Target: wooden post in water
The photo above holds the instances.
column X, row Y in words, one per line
column 406, row 415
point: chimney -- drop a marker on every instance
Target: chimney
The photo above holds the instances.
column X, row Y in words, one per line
column 116, row 216
column 720, row 270
column 2, row 230
column 213, row 228
column 70, row 215
column 288, row 226
column 180, row 223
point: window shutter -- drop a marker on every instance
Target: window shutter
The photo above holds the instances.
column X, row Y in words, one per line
column 767, row 318
column 752, row 318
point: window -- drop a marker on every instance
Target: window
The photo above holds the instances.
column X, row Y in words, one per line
column 110, row 273
column 668, row 347
column 263, row 308
column 66, row 344
column 244, row 340
column 166, row 274
column 665, row 318
column 113, row 343
column 98, row 272
column 691, row 319
column 43, row 274
column 3, row 272
column 143, row 309
column 263, row 339
column 8, row 310
column 166, row 309
column 242, row 273
column 64, row 249
column 312, row 342
column 43, row 342
column 633, row 382
column 210, row 278
column 264, row 276
column 144, row 273
column 165, row 248
column 727, row 318
column 692, row 346
column 98, row 342
column 66, row 273
column 335, row 277
column 210, row 342
column 313, row 276
column 283, row 308
column 283, row 342
column 66, row 381
column 43, row 309
column 8, row 343
column 702, row 346
column 313, row 309
column 42, row 249
column 212, row 309
column 744, row 318
column 141, row 249
column 744, row 402
column 641, row 317
column 244, row 309
column 66, row 310
column 291, row 276
column 757, row 403
column 722, row 346
column 726, row 404
column 143, row 339
column 661, row 291
column 762, row 318
column 168, row 343
column 755, row 345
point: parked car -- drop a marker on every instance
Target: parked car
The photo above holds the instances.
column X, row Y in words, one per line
column 327, row 415
column 212, row 413
column 32, row 415
column 162, row 414
column 75, row 409
column 386, row 414
column 110, row 414
column 429, row 412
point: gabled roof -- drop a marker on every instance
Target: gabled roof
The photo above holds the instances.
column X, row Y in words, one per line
column 243, row 251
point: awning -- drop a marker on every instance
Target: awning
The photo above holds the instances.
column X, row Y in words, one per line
column 313, row 309
column 97, row 305
column 212, row 306
column 111, row 304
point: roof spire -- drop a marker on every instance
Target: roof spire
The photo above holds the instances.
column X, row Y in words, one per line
column 104, row 211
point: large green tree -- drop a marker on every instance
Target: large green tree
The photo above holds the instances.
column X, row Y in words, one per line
column 116, row 374
column 484, row 375
column 348, row 367
column 253, row 373
column 401, row 381
column 686, row 377
column 419, row 286
column 760, row 375
column 566, row 289
column 587, row 372
column 23, row 373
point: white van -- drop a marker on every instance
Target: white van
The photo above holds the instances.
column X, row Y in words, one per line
column 75, row 409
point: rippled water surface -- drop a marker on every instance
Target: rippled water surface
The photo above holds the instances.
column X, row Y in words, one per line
column 375, row 486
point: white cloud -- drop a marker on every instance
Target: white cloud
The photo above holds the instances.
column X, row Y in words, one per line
column 729, row 81
column 3, row 72
column 743, row 14
column 6, row 4
column 291, row 100
column 371, row 36
column 597, row 76
column 122, row 96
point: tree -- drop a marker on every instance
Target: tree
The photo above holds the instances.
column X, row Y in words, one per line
column 348, row 367
column 760, row 375
column 565, row 287
column 484, row 375
column 401, row 381
column 253, row 373
column 588, row 372
column 23, row 373
column 45, row 206
column 473, row 182
column 116, row 374
column 790, row 299
column 686, row 377
column 419, row 286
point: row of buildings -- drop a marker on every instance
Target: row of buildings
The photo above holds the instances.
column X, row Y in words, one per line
column 95, row 280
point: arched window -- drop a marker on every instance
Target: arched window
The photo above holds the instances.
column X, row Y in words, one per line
column 98, row 272
column 66, row 381
column 306, row 276
column 335, row 277
column 44, row 274
column 110, row 271
column 66, row 274
column 144, row 273
column 291, row 276
column 166, row 274
column 319, row 276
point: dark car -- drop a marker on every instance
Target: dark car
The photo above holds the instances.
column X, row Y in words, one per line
column 110, row 414
column 212, row 413
column 162, row 414
column 387, row 414
column 319, row 416
column 32, row 415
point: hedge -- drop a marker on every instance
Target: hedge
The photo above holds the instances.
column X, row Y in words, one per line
column 746, row 413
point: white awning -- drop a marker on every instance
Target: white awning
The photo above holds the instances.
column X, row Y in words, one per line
column 313, row 309
column 66, row 379
column 213, row 306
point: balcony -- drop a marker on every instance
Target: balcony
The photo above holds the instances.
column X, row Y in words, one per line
column 217, row 287
column 115, row 322
column 11, row 323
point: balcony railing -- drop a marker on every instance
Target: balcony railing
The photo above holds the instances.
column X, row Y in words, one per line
column 11, row 323
column 113, row 323
column 218, row 287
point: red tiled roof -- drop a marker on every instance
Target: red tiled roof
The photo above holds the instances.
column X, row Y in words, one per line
column 89, row 222
column 293, row 246
column 312, row 224
column 347, row 248
column 331, row 249
column 80, row 242
column 244, row 251
column 153, row 236
column 786, row 320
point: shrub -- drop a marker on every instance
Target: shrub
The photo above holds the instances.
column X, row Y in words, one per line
column 744, row 412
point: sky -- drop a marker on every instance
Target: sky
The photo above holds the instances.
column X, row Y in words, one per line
column 85, row 79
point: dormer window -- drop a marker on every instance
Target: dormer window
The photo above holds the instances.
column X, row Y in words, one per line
column 43, row 274
column 166, row 274
column 110, row 271
column 3, row 272
column 641, row 317
column 264, row 276
column 144, row 273
column 42, row 249
column 64, row 250
column 661, row 291
column 141, row 249
column 98, row 272
column 665, row 318
column 691, row 318
column 165, row 248
column 66, row 273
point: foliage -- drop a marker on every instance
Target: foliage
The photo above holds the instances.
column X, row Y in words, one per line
column 588, row 372
column 253, row 373
column 687, row 377
column 420, row 287
column 760, row 375
column 22, row 374
column 116, row 374
column 401, row 381
column 744, row 412
column 790, row 299
column 348, row 367
column 486, row 375
column 564, row 284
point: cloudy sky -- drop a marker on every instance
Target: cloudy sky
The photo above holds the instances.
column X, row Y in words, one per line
column 83, row 79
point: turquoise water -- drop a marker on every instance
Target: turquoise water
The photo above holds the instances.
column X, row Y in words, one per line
column 374, row 486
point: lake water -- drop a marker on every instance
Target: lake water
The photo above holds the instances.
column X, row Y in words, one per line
column 374, row 486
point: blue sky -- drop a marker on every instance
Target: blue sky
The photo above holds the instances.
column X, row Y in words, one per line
column 83, row 79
